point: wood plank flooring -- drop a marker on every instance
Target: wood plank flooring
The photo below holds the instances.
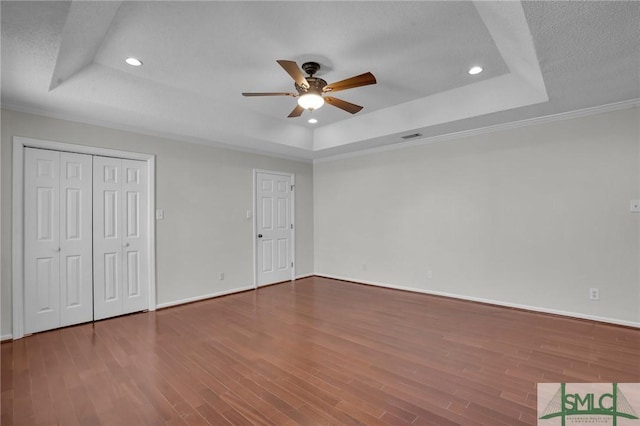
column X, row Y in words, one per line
column 313, row 352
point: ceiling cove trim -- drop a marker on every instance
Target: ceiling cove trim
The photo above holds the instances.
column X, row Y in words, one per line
column 601, row 109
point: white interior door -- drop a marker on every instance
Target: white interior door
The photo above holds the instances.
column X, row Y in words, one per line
column 41, row 242
column 134, row 236
column 119, row 236
column 274, row 227
column 57, row 239
column 76, row 239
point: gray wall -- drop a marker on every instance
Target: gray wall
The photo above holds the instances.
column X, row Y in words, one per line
column 528, row 217
column 204, row 192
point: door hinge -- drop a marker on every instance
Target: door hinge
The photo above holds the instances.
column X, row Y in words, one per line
column 292, row 264
column 292, row 226
column 292, row 186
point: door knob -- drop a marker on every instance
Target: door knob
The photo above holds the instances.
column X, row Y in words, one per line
column 125, row 245
column 56, row 249
column 259, row 235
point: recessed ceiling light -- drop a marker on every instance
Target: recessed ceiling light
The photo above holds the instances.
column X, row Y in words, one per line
column 475, row 70
column 134, row 62
column 312, row 121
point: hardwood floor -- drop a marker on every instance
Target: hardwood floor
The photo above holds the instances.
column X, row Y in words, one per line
column 313, row 352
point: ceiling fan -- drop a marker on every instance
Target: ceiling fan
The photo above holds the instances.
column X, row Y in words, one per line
column 310, row 90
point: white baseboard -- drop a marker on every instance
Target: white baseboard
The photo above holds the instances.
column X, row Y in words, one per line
column 299, row 277
column 202, row 297
column 217, row 294
column 6, row 337
column 491, row 302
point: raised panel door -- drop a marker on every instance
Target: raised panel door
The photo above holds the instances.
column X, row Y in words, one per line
column 57, row 239
column 41, row 240
column 76, row 263
column 134, row 238
column 121, row 281
column 273, row 225
column 107, row 238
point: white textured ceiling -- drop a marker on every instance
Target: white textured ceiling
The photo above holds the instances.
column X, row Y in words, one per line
column 540, row 58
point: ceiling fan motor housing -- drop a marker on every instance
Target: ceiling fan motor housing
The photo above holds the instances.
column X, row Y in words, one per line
column 315, row 86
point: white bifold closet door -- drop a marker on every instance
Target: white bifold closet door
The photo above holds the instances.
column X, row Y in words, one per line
column 57, row 240
column 120, row 251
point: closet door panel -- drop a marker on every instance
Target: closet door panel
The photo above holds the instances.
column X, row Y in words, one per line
column 76, row 262
column 135, row 239
column 107, row 237
column 41, row 240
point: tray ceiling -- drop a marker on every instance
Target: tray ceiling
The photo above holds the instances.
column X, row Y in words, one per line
column 540, row 58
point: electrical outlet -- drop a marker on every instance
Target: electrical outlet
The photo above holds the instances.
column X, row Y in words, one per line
column 364, row 266
column 594, row 294
column 429, row 274
column 221, row 275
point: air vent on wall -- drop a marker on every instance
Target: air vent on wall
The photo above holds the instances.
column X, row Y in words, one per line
column 415, row 135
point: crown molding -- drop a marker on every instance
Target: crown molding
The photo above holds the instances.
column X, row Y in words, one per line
column 601, row 109
column 147, row 132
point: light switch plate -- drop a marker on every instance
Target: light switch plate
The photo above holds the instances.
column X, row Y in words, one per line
column 635, row 206
column 159, row 214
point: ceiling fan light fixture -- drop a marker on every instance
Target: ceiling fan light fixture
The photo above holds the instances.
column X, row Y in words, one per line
column 310, row 89
column 310, row 101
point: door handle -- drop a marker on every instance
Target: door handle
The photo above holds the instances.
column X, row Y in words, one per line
column 56, row 249
column 259, row 235
column 125, row 245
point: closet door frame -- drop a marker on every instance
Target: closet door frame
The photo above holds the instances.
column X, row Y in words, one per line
column 19, row 144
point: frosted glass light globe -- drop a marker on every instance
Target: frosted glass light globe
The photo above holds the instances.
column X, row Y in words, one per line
column 310, row 101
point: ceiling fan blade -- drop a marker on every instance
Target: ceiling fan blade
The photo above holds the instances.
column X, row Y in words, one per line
column 297, row 112
column 294, row 71
column 270, row 94
column 357, row 81
column 347, row 106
